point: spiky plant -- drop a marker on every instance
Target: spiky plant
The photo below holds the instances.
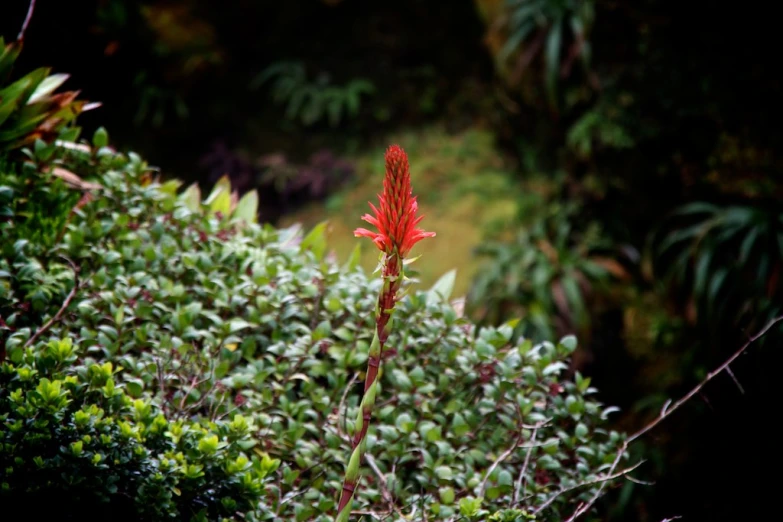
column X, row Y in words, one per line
column 395, row 218
column 29, row 107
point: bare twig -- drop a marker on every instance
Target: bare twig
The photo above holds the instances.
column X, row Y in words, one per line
column 707, row 379
column 226, row 413
column 584, row 507
column 27, row 18
column 385, row 493
column 342, row 431
column 216, row 407
column 599, row 480
column 295, row 494
column 503, row 456
column 51, row 322
column 639, row 481
column 193, row 383
column 734, row 378
column 520, row 480
column 666, row 412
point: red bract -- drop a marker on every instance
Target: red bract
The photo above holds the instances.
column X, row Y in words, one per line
column 395, row 217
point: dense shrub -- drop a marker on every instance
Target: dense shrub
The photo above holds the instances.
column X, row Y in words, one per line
column 207, row 316
column 76, row 445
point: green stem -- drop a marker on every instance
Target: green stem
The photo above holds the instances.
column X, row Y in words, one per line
column 392, row 277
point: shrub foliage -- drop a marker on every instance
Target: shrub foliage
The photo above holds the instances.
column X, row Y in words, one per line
column 75, row 443
column 207, row 348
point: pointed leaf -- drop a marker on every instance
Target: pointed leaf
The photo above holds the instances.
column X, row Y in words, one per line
column 552, row 59
column 315, row 240
column 219, row 200
column 192, row 197
column 47, row 87
column 748, row 243
column 247, row 207
column 444, row 286
column 8, row 55
column 354, row 259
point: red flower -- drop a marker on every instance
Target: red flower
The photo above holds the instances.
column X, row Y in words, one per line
column 395, row 217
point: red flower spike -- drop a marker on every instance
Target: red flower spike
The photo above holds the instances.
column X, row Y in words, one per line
column 395, row 217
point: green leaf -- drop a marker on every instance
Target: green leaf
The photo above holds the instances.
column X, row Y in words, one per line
column 446, row 495
column 47, row 87
column 219, row 200
column 8, row 55
column 315, row 240
column 504, row 478
column 748, row 243
column 404, row 423
column 401, row 379
column 516, row 38
column 554, row 368
column 697, row 207
column 444, row 473
column 101, row 138
column 469, row 506
column 354, row 259
column 247, row 207
column 444, row 286
column 552, row 58
column 192, row 197
column 459, row 425
column 135, row 386
column 433, row 434
column 569, row 343
column 238, row 324
column 10, row 99
column 208, row 445
column 702, row 271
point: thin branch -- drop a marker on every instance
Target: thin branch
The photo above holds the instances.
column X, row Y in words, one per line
column 584, row 507
column 295, row 494
column 51, row 322
column 599, row 480
column 344, row 429
column 26, row 22
column 734, row 378
column 503, row 456
column 707, row 379
column 387, row 496
column 518, row 489
column 193, row 383
column 639, row 481
column 666, row 412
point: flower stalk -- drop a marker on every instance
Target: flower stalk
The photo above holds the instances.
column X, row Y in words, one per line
column 396, row 221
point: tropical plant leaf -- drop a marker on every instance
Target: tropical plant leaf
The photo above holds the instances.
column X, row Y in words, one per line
column 554, row 42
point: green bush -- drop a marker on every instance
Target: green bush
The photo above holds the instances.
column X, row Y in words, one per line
column 205, row 316
column 76, row 445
